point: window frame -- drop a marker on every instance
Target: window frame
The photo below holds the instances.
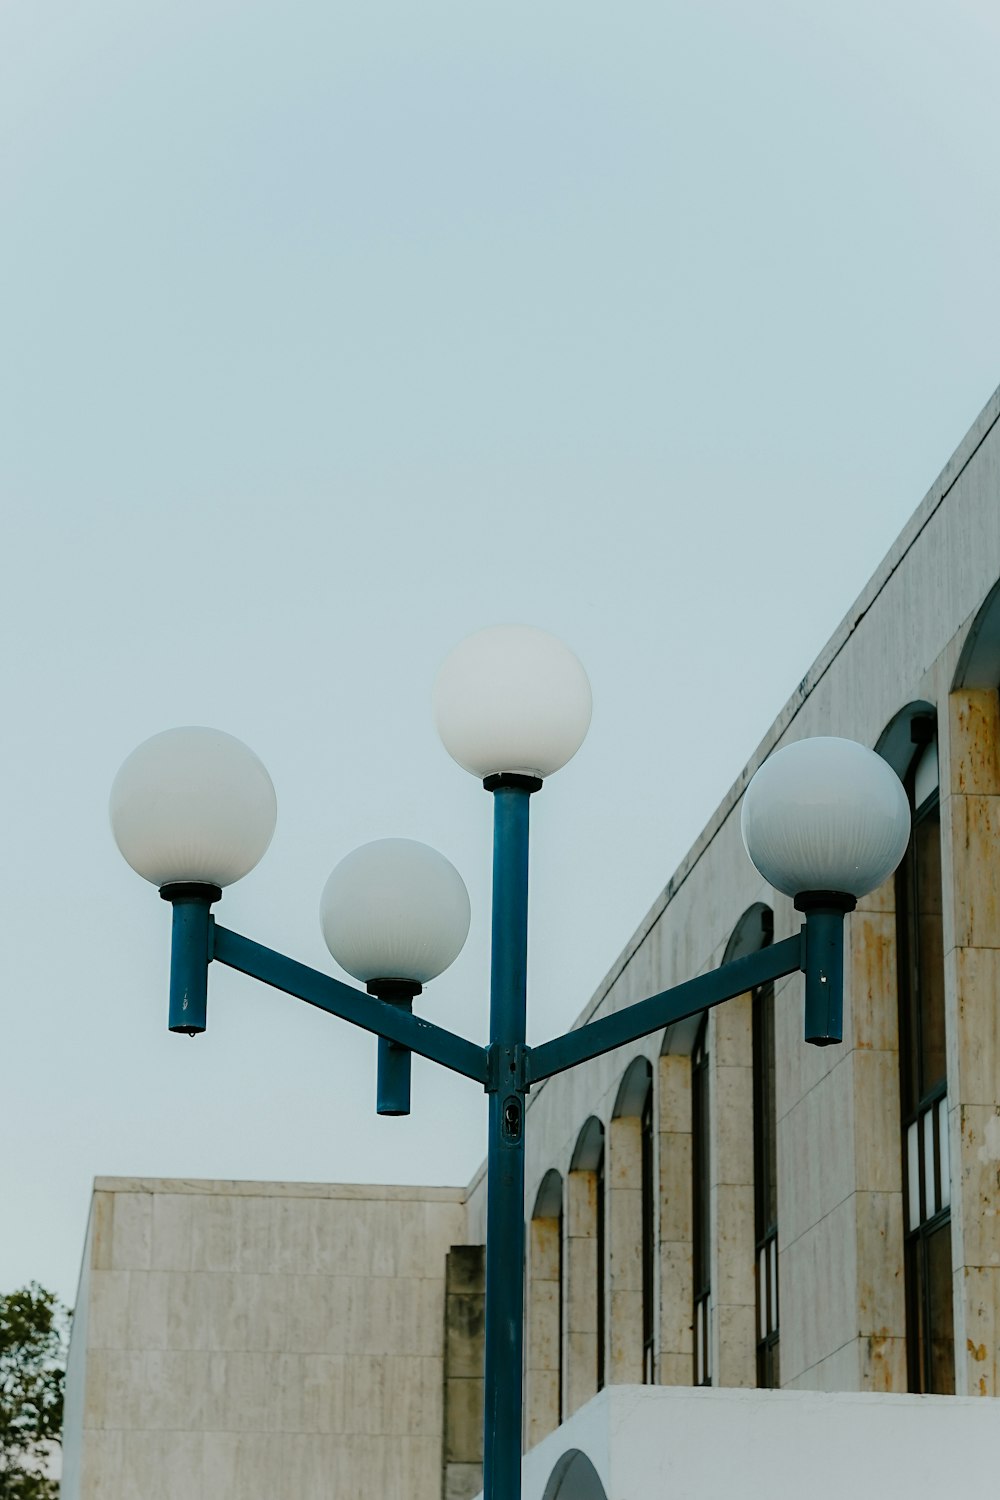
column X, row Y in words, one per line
column 701, row 1192
column 765, row 1145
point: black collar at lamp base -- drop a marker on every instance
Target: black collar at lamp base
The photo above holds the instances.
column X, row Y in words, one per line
column 394, row 1060
column 190, row 952
column 823, row 937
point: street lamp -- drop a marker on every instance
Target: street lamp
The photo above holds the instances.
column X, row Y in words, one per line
column 824, row 821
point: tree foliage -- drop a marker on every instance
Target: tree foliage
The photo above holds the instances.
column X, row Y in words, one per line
column 33, row 1326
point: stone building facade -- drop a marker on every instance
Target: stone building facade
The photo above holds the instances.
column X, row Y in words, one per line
column 718, row 1205
column 259, row 1339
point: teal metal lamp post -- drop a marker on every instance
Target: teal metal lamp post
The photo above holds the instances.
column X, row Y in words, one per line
column 193, row 810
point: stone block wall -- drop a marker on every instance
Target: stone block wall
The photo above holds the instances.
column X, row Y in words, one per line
column 261, row 1341
column 970, row 823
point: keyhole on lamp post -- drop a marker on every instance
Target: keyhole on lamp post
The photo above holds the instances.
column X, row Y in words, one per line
column 512, row 1118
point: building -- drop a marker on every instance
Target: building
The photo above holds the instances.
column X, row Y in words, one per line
column 715, row 1206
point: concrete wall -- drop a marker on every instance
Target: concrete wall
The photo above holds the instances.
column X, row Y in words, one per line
column 706, row 1445
column 76, row 1369
column 260, row 1341
column 675, row 1344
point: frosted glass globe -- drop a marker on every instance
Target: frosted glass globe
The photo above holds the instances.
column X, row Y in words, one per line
column 512, row 698
column 193, row 805
column 395, row 909
column 825, row 814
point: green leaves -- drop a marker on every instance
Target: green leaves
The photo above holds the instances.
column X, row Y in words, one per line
column 33, row 1326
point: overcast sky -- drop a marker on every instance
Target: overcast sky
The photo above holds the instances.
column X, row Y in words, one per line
column 330, row 333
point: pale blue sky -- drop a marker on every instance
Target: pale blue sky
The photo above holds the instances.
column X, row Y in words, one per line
column 330, row 333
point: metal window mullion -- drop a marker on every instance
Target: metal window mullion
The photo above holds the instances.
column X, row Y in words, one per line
column 767, row 1298
column 928, row 1105
column 945, row 1146
column 702, row 1342
column 931, row 1166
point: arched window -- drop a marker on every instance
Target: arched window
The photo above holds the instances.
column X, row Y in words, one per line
column 600, row 1286
column 765, row 1184
column 561, row 1299
column 923, row 1081
column 755, row 931
column 648, row 1243
column 574, row 1478
column 701, row 1208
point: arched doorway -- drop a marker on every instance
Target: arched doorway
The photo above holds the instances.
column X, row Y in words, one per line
column 574, row 1478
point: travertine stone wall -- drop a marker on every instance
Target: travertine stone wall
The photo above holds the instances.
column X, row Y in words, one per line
column 841, row 1293
column 817, row 1250
column 263, row 1341
column 675, row 1348
column 731, row 1175
column 970, row 821
column 876, row 1323
column 624, row 1198
column 840, row 1217
column 465, row 1330
column 580, row 1329
column 543, row 1333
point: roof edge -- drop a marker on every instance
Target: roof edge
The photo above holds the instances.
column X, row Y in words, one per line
column 231, row 1187
column 945, row 481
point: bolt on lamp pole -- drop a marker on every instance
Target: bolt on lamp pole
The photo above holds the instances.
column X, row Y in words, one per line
column 824, row 821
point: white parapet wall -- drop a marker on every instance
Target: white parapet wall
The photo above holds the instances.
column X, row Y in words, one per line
column 678, row 1443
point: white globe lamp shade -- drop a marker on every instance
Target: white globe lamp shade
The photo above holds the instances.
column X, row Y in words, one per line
column 512, row 699
column 825, row 814
column 193, row 805
column 395, row 909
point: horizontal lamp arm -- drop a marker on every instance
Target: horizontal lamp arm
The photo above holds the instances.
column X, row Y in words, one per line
column 676, row 1004
column 352, row 1005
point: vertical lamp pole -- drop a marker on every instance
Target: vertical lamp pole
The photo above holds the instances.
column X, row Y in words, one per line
column 193, row 810
column 505, row 1152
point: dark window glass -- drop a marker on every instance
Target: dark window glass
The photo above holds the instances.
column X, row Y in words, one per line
column 648, row 1241
column 765, row 1143
column 700, row 1209
column 600, row 1271
column 940, row 1353
column 923, row 1092
column 921, row 945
